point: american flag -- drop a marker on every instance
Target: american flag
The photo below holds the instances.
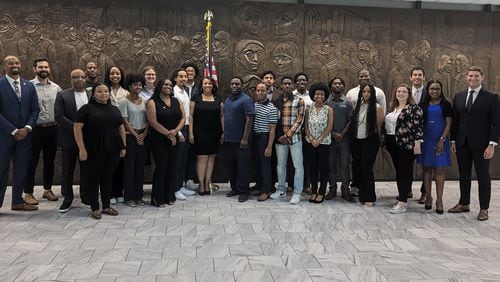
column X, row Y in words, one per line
column 210, row 70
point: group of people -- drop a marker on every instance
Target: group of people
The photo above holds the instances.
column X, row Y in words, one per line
column 297, row 135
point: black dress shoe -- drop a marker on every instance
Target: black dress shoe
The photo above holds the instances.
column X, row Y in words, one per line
column 64, row 208
column 242, row 198
column 207, row 192
column 348, row 197
column 232, row 193
column 438, row 211
column 201, row 193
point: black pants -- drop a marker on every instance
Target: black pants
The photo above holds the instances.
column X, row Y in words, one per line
column 44, row 139
column 403, row 161
column 133, row 169
column 191, row 163
column 117, row 186
column 318, row 162
column 262, row 163
column 99, row 174
column 364, row 151
column 164, row 177
column 69, row 157
column 182, row 158
column 238, row 166
column 465, row 157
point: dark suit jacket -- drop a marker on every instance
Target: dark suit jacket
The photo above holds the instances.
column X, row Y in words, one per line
column 480, row 126
column 16, row 114
column 65, row 115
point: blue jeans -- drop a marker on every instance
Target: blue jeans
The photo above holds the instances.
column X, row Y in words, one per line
column 297, row 158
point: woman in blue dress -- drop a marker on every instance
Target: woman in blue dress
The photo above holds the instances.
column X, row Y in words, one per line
column 436, row 148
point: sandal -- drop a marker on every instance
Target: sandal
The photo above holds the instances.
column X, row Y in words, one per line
column 110, row 211
column 96, row 214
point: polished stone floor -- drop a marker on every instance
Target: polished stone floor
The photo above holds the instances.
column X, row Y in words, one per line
column 215, row 238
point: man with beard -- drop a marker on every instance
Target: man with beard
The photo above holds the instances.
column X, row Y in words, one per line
column 67, row 103
column 91, row 73
column 339, row 149
column 18, row 114
column 44, row 137
column 239, row 111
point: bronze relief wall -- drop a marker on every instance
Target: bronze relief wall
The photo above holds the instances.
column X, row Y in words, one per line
column 323, row 41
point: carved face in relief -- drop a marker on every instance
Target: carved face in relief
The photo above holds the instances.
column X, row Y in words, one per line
column 32, row 24
column 461, row 63
column 249, row 54
column 6, row 23
column 286, row 23
column 363, row 52
column 221, row 42
column 89, row 32
column 178, row 41
column 250, row 20
column 100, row 40
column 198, row 44
column 141, row 37
column 283, row 57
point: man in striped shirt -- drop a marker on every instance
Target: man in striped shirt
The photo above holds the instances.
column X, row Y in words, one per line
column 288, row 137
column 264, row 129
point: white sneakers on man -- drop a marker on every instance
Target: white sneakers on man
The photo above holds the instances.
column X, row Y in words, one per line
column 187, row 192
column 295, row 199
column 180, row 196
column 277, row 195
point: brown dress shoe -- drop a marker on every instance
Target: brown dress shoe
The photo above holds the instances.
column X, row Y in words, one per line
column 458, row 208
column 29, row 199
column 308, row 190
column 96, row 214
column 483, row 215
column 262, row 197
column 49, row 195
column 23, row 207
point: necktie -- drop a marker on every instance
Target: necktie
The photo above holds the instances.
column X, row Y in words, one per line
column 469, row 102
column 16, row 87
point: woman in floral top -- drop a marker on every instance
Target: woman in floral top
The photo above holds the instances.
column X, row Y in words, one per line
column 404, row 133
column 318, row 128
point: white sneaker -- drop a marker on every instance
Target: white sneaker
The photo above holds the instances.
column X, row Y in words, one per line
column 277, row 195
column 190, row 185
column 120, row 199
column 398, row 209
column 180, row 196
column 187, row 192
column 295, row 199
column 112, row 201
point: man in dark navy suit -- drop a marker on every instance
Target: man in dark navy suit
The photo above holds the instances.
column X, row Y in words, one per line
column 19, row 111
column 474, row 136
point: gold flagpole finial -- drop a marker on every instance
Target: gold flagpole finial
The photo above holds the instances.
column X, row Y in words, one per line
column 208, row 15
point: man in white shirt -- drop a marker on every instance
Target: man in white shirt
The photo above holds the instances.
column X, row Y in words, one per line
column 180, row 79
column 67, row 103
column 44, row 133
column 418, row 91
column 364, row 77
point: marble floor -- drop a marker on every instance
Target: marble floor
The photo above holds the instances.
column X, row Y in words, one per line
column 215, row 238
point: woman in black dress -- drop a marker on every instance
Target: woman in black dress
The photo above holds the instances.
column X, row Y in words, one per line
column 205, row 131
column 166, row 118
column 100, row 136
